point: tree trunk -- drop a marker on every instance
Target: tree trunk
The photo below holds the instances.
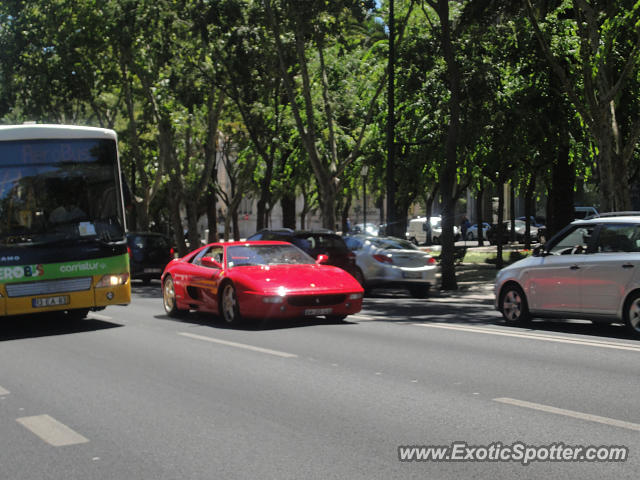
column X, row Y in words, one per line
column 500, row 226
column 479, row 214
column 288, row 204
column 192, row 222
column 448, row 173
column 560, row 202
column 212, row 212
column 528, row 211
column 345, row 215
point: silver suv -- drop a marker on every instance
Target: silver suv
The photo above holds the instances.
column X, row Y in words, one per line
column 590, row 270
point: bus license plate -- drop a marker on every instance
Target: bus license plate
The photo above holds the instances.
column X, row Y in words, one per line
column 152, row 270
column 50, row 301
column 318, row 311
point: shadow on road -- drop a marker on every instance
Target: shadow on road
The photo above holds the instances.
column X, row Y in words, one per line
column 48, row 324
column 150, row 290
column 470, row 312
column 214, row 321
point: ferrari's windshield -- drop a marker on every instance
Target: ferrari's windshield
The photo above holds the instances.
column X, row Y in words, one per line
column 249, row 255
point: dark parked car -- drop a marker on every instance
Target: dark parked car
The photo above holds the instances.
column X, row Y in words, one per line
column 314, row 242
column 149, row 253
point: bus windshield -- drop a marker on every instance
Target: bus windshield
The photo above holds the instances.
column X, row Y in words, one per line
column 56, row 190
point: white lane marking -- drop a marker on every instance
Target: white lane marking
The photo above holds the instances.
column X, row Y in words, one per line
column 97, row 316
column 569, row 413
column 239, row 345
column 362, row 317
column 536, row 336
column 51, row 431
column 4, row 392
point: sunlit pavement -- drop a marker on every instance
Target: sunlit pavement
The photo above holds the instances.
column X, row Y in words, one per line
column 131, row 393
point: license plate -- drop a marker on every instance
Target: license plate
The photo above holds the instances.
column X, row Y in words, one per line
column 152, row 270
column 412, row 274
column 50, row 301
column 318, row 311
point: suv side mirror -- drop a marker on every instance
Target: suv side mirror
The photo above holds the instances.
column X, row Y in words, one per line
column 210, row 262
column 539, row 251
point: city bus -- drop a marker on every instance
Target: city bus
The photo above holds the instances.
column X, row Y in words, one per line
column 62, row 221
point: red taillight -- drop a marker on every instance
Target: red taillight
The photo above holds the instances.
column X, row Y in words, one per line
column 172, row 252
column 383, row 258
column 129, row 250
column 431, row 261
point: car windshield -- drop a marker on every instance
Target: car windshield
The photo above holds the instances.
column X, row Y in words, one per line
column 151, row 242
column 393, row 244
column 251, row 255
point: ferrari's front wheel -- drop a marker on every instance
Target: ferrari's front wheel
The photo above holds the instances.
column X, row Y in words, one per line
column 169, row 298
column 229, row 307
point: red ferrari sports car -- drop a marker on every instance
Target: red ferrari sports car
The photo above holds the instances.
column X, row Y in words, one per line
column 258, row 279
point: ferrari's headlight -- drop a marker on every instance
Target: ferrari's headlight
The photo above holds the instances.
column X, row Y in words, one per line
column 355, row 296
column 112, row 280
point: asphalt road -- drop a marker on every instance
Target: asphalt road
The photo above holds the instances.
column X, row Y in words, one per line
column 132, row 394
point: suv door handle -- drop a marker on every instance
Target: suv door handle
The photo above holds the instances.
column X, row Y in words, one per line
column 574, row 267
column 627, row 265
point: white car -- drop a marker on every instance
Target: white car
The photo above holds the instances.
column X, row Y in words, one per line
column 418, row 228
column 590, row 270
column 472, row 231
column 392, row 262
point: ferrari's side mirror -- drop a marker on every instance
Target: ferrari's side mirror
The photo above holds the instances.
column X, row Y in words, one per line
column 210, row 262
column 322, row 259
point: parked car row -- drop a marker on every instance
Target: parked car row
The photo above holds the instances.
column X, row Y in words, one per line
column 418, row 230
column 284, row 273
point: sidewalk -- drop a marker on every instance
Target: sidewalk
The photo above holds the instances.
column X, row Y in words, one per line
column 475, row 283
column 475, row 277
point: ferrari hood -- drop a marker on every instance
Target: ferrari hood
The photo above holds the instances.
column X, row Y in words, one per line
column 296, row 278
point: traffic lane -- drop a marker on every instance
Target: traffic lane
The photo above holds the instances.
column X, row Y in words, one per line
column 541, row 362
column 563, row 368
column 240, row 413
column 558, row 367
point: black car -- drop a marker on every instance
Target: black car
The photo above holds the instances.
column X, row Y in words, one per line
column 314, row 242
column 149, row 253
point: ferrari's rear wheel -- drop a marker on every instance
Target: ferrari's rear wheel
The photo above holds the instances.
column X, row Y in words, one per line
column 229, row 308
column 169, row 298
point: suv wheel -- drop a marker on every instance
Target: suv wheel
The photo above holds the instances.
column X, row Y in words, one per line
column 513, row 305
column 632, row 314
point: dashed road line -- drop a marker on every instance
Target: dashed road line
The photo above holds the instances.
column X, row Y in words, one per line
column 363, row 317
column 4, row 391
column 51, row 430
column 239, row 345
column 535, row 336
column 98, row 316
column 569, row 413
